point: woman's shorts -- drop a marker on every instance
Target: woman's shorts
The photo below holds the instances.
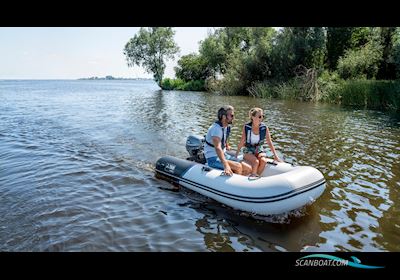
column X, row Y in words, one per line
column 252, row 150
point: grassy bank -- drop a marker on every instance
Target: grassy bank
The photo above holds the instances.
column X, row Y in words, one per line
column 328, row 87
column 382, row 95
column 369, row 94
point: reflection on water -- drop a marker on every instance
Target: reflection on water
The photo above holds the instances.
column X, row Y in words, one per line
column 77, row 172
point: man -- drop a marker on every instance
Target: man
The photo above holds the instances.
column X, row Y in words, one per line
column 216, row 145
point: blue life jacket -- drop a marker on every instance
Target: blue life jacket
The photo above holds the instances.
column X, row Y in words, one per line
column 262, row 132
column 223, row 140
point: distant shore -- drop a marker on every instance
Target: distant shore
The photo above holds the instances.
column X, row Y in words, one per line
column 113, row 78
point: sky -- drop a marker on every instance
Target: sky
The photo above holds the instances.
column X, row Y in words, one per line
column 80, row 52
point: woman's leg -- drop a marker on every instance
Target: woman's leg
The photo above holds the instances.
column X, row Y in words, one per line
column 263, row 161
column 246, row 168
column 253, row 162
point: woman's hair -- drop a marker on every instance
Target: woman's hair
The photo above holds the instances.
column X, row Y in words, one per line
column 224, row 111
column 253, row 112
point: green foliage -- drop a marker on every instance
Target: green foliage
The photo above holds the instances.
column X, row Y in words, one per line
column 179, row 84
column 218, row 49
column 345, row 39
column 289, row 90
column 295, row 46
column 361, row 63
column 338, row 41
column 197, row 85
column 361, row 36
column 261, row 50
column 302, row 63
column 314, row 45
column 212, row 84
column 387, row 66
column 396, row 60
column 395, row 55
column 249, row 62
column 282, row 57
column 233, row 82
column 213, row 52
column 371, row 94
column 262, row 90
column 237, row 38
column 149, row 48
column 170, row 84
column 330, row 86
column 242, row 71
column 192, row 67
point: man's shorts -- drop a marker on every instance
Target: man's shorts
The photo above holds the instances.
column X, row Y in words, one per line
column 215, row 162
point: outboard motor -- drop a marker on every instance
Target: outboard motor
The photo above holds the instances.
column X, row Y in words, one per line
column 195, row 148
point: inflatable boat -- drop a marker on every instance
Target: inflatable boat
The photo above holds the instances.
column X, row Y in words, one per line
column 281, row 187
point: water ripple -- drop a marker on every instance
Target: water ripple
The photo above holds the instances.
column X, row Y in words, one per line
column 77, row 172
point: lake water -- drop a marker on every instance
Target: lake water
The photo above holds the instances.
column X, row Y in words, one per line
column 77, row 172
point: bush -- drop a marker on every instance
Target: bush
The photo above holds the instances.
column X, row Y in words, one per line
column 361, row 63
column 212, row 84
column 242, row 72
column 232, row 85
column 178, row 84
column 197, row 85
column 330, row 86
column 170, row 84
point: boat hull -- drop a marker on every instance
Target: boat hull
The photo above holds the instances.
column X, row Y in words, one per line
column 275, row 194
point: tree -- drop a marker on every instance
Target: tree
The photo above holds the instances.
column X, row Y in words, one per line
column 387, row 67
column 309, row 46
column 361, row 36
column 192, row 67
column 295, row 46
column 237, row 38
column 396, row 53
column 149, row 48
column 213, row 51
column 249, row 60
column 225, row 44
column 362, row 62
column 338, row 41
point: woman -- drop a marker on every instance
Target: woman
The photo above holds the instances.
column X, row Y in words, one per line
column 254, row 135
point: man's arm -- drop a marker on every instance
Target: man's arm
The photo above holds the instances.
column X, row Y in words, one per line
column 220, row 153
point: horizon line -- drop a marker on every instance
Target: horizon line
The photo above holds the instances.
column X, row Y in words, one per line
column 103, row 78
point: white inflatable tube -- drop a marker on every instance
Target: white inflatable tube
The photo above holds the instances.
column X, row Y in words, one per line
column 282, row 189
